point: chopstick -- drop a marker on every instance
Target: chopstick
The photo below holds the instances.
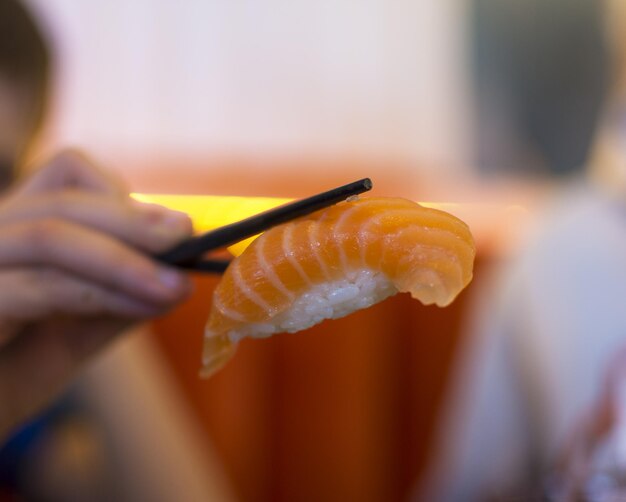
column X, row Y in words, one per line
column 211, row 266
column 189, row 253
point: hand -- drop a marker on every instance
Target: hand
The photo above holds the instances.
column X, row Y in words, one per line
column 74, row 271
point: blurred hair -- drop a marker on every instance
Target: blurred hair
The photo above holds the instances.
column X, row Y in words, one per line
column 25, row 60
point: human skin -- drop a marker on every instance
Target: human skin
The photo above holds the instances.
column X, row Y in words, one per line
column 75, row 271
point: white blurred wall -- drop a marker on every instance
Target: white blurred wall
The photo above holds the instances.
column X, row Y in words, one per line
column 336, row 77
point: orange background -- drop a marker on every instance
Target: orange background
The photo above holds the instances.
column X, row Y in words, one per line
column 346, row 410
column 343, row 411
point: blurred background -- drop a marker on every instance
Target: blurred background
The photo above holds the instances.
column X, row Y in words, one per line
column 210, row 78
column 485, row 106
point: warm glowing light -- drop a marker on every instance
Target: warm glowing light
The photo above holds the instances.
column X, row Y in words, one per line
column 212, row 211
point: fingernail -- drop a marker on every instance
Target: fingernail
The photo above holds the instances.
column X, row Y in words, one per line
column 173, row 224
column 176, row 221
column 156, row 214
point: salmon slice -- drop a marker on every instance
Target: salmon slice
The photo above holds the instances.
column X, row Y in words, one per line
column 333, row 262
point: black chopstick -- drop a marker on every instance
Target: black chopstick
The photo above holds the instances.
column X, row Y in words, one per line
column 189, row 253
column 211, row 266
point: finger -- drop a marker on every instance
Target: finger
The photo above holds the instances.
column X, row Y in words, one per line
column 36, row 365
column 29, row 294
column 91, row 255
column 72, row 169
column 148, row 227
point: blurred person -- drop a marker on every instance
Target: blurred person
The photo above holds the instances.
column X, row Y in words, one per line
column 538, row 410
column 75, row 270
column 74, row 273
column 25, row 69
column 71, row 227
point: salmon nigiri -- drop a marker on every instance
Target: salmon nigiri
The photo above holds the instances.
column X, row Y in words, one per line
column 333, row 262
